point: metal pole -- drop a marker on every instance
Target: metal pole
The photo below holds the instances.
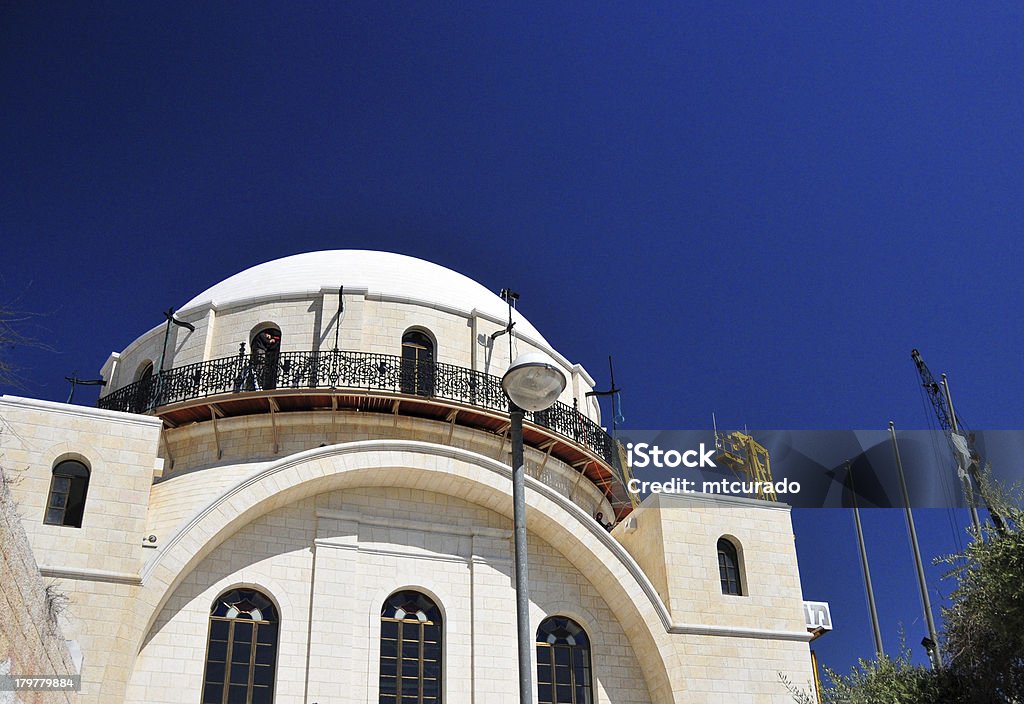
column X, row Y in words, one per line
column 158, row 396
column 933, row 653
column 341, row 309
column 817, row 678
column 964, row 477
column 526, row 640
column 167, row 333
column 872, row 609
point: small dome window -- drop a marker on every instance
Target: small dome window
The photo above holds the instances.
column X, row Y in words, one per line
column 145, row 371
column 418, row 371
column 266, row 357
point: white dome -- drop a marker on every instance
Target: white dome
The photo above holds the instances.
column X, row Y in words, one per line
column 396, row 276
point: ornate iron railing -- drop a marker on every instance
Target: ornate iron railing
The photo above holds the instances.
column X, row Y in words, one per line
column 338, row 369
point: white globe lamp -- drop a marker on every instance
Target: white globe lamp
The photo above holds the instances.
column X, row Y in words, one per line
column 532, row 382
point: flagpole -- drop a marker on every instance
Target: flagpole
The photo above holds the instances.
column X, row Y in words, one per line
column 933, row 652
column 872, row 609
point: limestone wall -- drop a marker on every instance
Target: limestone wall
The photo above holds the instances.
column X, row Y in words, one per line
column 348, row 523
column 350, row 550
column 31, row 641
column 675, row 540
column 96, row 565
column 724, row 643
column 120, row 451
column 249, row 441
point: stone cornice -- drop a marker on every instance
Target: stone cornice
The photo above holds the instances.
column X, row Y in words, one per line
column 79, row 411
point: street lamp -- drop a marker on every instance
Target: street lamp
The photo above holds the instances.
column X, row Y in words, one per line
column 532, row 383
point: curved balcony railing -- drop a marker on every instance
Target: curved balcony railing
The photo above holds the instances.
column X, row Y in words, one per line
column 339, row 369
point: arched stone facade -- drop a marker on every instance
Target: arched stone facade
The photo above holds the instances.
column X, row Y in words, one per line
column 555, row 524
column 327, row 493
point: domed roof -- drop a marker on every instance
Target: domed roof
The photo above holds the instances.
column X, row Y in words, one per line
column 395, row 275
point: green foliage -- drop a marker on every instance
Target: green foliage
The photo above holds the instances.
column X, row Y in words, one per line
column 983, row 638
column 984, row 627
column 890, row 680
column 896, row 680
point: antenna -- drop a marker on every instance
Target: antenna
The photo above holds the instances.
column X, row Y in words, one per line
column 171, row 320
column 341, row 309
column 510, row 297
column 75, row 381
column 614, row 392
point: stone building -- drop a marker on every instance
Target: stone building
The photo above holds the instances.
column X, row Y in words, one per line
column 312, row 504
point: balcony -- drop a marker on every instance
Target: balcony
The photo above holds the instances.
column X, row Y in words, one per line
column 344, row 380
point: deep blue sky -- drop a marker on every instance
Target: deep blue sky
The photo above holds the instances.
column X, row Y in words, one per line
column 757, row 210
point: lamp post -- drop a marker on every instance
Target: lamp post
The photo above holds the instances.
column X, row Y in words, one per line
column 532, row 383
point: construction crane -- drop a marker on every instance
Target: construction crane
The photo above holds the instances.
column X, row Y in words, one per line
column 961, row 441
column 742, row 453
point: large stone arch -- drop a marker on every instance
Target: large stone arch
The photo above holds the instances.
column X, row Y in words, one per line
column 416, row 465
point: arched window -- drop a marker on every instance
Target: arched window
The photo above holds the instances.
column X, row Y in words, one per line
column 266, row 357
column 410, row 650
column 145, row 388
column 417, row 363
column 729, row 567
column 68, row 487
column 241, row 653
column 144, row 372
column 563, row 662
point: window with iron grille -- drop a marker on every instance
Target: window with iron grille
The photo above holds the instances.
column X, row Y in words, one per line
column 729, row 567
column 411, row 633
column 241, row 652
column 68, row 488
column 563, row 662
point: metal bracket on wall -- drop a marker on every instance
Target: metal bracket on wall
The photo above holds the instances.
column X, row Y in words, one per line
column 167, row 445
column 273, row 420
column 216, row 413
column 451, row 424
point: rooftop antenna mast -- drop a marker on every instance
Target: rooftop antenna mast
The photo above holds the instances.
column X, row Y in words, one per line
column 510, row 297
column 614, row 392
column 75, row 381
column 341, row 309
column 169, row 314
